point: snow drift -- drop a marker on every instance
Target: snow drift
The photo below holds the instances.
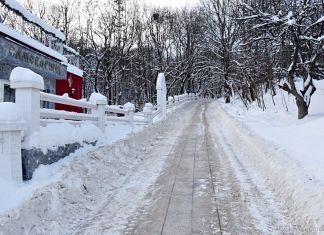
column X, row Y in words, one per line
column 284, row 151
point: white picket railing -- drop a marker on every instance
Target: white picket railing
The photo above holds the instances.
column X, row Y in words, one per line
column 28, row 87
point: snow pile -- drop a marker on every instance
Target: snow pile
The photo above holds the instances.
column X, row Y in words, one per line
column 129, row 106
column 10, row 113
column 287, row 152
column 97, row 98
column 22, row 76
column 13, row 194
column 89, row 192
column 60, row 134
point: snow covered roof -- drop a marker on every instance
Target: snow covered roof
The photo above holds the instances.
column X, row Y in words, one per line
column 75, row 70
column 31, row 42
column 19, row 9
column 71, row 50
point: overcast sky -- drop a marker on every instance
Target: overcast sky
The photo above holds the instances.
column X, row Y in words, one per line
column 171, row 3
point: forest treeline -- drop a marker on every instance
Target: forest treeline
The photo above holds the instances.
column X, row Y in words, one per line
column 215, row 49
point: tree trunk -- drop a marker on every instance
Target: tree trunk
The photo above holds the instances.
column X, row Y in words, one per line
column 227, row 93
column 302, row 108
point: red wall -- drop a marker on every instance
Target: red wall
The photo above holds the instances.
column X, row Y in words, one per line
column 66, row 86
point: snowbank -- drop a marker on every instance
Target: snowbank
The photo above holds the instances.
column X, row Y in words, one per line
column 13, row 194
column 287, row 152
column 71, row 195
column 59, row 134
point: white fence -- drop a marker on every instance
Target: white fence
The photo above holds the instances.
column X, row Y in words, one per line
column 28, row 86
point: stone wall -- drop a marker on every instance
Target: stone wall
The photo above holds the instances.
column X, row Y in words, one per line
column 31, row 159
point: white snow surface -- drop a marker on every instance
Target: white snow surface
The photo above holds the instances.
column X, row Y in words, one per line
column 129, row 106
column 33, row 18
column 93, row 182
column 75, row 70
column 59, row 134
column 10, row 112
column 21, row 75
column 53, row 135
column 287, row 152
column 283, row 152
column 97, row 97
column 160, row 83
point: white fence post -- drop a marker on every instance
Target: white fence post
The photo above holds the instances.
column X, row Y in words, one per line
column 130, row 113
column 11, row 126
column 176, row 99
column 100, row 101
column 161, row 94
column 148, row 110
column 28, row 85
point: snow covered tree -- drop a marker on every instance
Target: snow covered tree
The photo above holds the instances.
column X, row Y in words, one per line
column 183, row 54
column 296, row 29
column 220, row 42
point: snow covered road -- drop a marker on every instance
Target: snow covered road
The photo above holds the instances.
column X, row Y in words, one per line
column 205, row 189
column 176, row 177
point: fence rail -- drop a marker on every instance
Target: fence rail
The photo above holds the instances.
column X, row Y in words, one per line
column 26, row 116
column 65, row 115
column 65, row 99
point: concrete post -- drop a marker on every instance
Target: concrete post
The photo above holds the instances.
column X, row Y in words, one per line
column 100, row 101
column 148, row 111
column 176, row 99
column 161, row 94
column 11, row 127
column 130, row 113
column 28, row 85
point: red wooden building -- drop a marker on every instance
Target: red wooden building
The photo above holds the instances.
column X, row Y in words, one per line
column 72, row 86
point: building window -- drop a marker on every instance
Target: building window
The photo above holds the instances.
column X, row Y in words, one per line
column 46, row 104
column 8, row 94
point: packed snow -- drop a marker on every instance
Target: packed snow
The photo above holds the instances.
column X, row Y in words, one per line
column 21, row 75
column 160, row 83
column 53, row 135
column 282, row 153
column 94, row 181
column 73, row 69
column 12, row 194
column 97, row 98
column 285, row 151
column 9, row 113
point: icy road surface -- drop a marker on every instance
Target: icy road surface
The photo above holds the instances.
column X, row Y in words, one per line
column 176, row 177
